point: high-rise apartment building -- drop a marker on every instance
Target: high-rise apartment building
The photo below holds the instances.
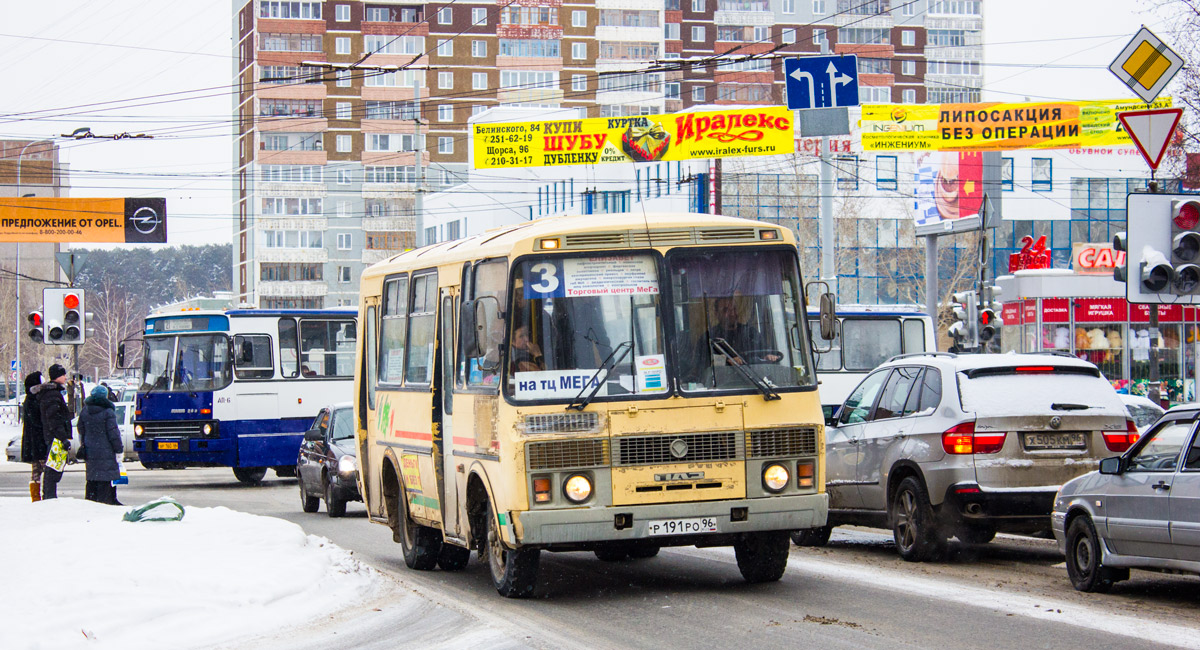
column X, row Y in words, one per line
column 330, row 139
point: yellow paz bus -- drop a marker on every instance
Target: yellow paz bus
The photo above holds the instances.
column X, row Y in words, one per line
column 611, row 383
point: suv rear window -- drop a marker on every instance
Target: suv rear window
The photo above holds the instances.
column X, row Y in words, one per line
column 1001, row 391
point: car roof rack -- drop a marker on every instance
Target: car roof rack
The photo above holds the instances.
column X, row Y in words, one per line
column 930, row 353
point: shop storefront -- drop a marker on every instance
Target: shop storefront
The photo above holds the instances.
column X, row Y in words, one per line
column 1083, row 315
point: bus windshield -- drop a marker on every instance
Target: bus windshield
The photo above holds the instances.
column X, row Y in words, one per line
column 186, row 363
column 573, row 316
column 738, row 308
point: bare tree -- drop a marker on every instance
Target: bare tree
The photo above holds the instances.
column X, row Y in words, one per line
column 117, row 316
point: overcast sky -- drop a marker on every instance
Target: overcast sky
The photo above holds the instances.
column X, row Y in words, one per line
column 163, row 68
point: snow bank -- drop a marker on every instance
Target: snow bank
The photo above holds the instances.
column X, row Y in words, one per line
column 76, row 575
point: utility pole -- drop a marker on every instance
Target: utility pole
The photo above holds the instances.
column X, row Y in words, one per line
column 419, row 145
column 828, row 235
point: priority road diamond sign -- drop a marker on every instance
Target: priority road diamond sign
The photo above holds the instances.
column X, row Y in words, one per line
column 1146, row 65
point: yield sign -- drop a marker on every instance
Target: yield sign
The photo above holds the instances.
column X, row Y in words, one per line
column 1151, row 131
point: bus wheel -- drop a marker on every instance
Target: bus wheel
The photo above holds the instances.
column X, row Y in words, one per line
column 420, row 544
column 453, row 558
column 514, row 571
column 762, row 557
column 250, row 475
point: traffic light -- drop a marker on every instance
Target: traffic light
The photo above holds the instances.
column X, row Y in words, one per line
column 1120, row 244
column 1163, row 244
column 36, row 331
column 989, row 313
column 965, row 328
column 63, row 316
column 1185, row 245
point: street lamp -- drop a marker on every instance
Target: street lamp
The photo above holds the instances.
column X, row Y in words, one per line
column 17, row 277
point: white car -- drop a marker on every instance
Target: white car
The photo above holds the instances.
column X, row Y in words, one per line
column 1143, row 411
column 13, row 449
column 124, row 423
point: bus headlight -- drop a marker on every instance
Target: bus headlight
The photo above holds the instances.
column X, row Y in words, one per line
column 347, row 465
column 138, row 430
column 775, row 477
column 206, row 429
column 577, row 488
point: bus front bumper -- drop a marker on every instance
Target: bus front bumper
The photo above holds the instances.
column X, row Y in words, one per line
column 567, row 527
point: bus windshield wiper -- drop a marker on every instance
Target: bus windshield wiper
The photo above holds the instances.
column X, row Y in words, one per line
column 721, row 346
column 616, row 356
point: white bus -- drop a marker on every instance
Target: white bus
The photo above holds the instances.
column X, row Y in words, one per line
column 867, row 335
column 238, row 388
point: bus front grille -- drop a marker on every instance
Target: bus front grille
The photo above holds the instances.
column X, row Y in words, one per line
column 561, row 454
column 585, row 422
column 172, row 428
column 663, row 450
column 771, row 443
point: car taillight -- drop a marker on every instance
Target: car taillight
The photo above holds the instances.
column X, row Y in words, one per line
column 990, row 442
column 1122, row 441
column 962, row 439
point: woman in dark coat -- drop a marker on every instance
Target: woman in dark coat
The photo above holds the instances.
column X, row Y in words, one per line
column 33, row 444
column 102, row 441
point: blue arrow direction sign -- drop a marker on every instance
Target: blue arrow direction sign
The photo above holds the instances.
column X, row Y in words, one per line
column 821, row 81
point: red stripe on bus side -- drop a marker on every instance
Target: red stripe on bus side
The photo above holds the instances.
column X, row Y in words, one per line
column 415, row 435
column 466, row 442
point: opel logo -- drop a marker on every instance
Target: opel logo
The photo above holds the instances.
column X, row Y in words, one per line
column 679, row 448
column 145, row 220
column 1055, row 422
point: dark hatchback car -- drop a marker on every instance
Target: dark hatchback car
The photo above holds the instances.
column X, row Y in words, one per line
column 328, row 464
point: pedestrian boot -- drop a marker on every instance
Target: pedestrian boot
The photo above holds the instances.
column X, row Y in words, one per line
column 35, row 491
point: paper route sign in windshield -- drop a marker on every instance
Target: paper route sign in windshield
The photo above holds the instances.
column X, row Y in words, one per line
column 578, row 277
column 558, row 384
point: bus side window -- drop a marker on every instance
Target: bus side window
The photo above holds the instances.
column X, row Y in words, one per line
column 289, row 358
column 392, row 330
column 325, row 350
column 490, row 281
column 253, row 356
column 422, row 306
column 914, row 335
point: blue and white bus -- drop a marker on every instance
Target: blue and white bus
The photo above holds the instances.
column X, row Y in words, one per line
column 238, row 388
column 867, row 335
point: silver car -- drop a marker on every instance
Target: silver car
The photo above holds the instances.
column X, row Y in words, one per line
column 934, row 445
column 1141, row 510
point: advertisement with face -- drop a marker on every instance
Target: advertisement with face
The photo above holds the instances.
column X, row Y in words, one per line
column 949, row 187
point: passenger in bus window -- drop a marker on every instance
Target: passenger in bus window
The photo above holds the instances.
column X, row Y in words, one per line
column 525, row 356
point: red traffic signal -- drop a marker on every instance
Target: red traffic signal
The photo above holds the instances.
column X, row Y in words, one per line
column 71, row 301
column 1185, row 214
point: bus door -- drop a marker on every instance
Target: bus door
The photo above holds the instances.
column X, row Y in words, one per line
column 447, row 478
column 370, row 456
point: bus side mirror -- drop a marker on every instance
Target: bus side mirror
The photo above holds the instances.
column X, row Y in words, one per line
column 245, row 353
column 121, row 354
column 470, row 331
column 828, row 317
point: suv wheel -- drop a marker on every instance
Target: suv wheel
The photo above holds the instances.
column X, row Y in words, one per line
column 913, row 524
column 1083, row 559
